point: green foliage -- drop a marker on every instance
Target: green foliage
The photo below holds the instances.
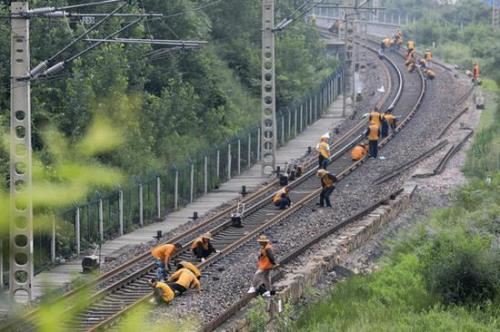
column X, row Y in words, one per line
column 257, row 316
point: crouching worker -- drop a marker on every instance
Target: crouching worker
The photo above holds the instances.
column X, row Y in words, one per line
column 359, row 152
column 191, row 267
column 327, row 181
column 202, row 247
column 162, row 292
column 282, row 198
column 162, row 255
column 266, row 263
column 182, row 280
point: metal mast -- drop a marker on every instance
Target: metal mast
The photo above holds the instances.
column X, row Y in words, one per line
column 21, row 207
column 495, row 13
column 268, row 99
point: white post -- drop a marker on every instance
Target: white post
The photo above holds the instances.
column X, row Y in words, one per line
column 249, row 157
column 229, row 161
column 191, row 188
column 1, row 265
column 158, row 197
column 258, row 144
column 205, row 169
column 301, row 116
column 176, row 190
column 77, row 231
column 295, row 122
column 141, row 205
column 282, row 129
column 53, row 240
column 101, row 221
column 120, row 210
column 239, row 156
column 217, row 164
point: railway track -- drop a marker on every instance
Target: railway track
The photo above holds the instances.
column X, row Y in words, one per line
column 126, row 286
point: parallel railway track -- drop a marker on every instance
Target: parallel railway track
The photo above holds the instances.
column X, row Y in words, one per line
column 129, row 282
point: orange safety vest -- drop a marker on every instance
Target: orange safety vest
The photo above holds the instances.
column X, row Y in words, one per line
column 428, row 55
column 410, row 45
column 199, row 242
column 358, row 152
column 185, row 278
column 389, row 118
column 163, row 252
column 327, row 182
column 324, row 149
column 277, row 196
column 375, row 117
column 475, row 72
column 373, row 133
column 387, row 42
column 264, row 262
column 191, row 267
column 168, row 293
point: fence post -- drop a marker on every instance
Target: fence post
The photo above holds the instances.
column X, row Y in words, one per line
column 191, row 187
column 301, row 116
column 295, row 122
column 229, row 161
column 77, row 231
column 310, row 109
column 217, row 166
column 53, row 240
column 158, row 197
column 101, row 221
column 282, row 128
column 249, row 149
column 120, row 209
column 205, row 169
column 1, row 264
column 141, row 205
column 239, row 156
column 176, row 190
column 289, row 123
column 258, row 144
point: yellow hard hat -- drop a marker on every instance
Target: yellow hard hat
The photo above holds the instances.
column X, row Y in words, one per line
column 321, row 172
column 263, row 239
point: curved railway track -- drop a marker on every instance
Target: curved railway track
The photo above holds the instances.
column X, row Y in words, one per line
column 123, row 288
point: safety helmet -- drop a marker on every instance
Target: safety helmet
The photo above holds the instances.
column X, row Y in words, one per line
column 263, row 239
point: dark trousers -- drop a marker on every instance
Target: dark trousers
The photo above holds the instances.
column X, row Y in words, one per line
column 177, row 288
column 324, row 197
column 283, row 203
column 200, row 252
column 393, row 126
column 384, row 129
column 373, row 148
column 322, row 161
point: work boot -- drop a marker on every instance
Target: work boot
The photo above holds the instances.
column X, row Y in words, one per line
column 251, row 290
column 267, row 294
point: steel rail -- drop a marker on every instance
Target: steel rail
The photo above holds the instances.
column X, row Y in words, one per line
column 280, row 216
column 212, row 325
column 448, row 125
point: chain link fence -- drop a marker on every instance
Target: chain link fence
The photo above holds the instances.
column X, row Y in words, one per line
column 108, row 215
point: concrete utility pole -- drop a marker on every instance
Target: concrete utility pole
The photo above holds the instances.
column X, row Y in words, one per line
column 21, row 207
column 495, row 13
column 268, row 99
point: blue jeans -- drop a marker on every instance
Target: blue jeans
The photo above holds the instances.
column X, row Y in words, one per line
column 161, row 273
column 373, row 148
column 324, row 197
column 283, row 203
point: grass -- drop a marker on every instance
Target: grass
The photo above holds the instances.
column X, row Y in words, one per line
column 443, row 274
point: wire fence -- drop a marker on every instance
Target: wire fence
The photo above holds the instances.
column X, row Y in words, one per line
column 108, row 215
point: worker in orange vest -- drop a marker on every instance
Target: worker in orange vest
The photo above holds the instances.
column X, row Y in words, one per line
column 428, row 56
column 202, row 247
column 182, row 280
column 359, row 151
column 375, row 116
column 391, row 120
column 162, row 291
column 410, row 45
column 282, row 198
column 327, row 181
column 162, row 255
column 475, row 72
column 323, row 148
column 372, row 133
column 266, row 263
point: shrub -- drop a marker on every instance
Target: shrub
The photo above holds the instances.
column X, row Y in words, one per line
column 460, row 268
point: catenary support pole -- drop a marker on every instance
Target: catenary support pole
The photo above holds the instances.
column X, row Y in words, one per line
column 21, row 208
column 77, row 231
column 120, row 210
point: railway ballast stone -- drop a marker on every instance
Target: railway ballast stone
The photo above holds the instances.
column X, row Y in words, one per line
column 292, row 287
